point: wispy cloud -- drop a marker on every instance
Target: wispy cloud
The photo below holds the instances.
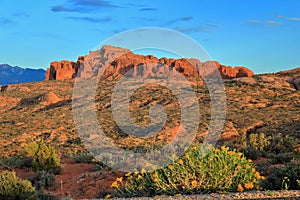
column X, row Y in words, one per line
column 254, row 21
column 6, row 21
column 62, row 9
column 213, row 25
column 148, row 9
column 293, row 19
column 136, row 5
column 21, row 14
column 278, row 16
column 83, row 6
column 91, row 19
column 173, row 21
column 94, row 3
column 13, row 18
column 192, row 29
column 272, row 22
column 280, row 19
column 265, row 22
column 204, row 28
column 286, row 18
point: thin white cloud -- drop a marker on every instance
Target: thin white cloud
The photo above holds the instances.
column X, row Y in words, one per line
column 254, row 21
column 272, row 22
column 191, row 29
column 286, row 18
column 294, row 19
column 91, row 19
column 83, row 6
column 278, row 16
column 265, row 22
column 280, row 20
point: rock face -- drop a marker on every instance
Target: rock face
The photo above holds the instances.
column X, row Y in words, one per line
column 296, row 83
column 113, row 62
column 63, row 70
column 292, row 76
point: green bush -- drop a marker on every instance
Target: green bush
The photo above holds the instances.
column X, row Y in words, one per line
column 16, row 161
column 259, row 141
column 83, row 157
column 282, row 158
column 221, row 170
column 283, row 178
column 263, row 166
column 252, row 153
column 283, row 144
column 46, row 196
column 13, row 188
column 42, row 180
column 45, row 158
column 30, row 150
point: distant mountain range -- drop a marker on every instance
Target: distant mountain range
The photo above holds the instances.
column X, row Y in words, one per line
column 12, row 75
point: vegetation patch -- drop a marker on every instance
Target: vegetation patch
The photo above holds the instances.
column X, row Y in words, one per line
column 221, row 170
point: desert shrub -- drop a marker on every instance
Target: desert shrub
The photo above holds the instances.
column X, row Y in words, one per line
column 42, row 179
column 13, row 188
column 83, row 157
column 259, row 141
column 283, row 178
column 16, row 161
column 46, row 196
column 66, row 198
column 282, row 158
column 252, row 153
column 30, row 150
column 23, row 159
column 283, row 144
column 45, row 158
column 221, row 170
column 263, row 166
column 99, row 166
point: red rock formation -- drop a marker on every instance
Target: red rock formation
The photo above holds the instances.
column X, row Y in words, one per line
column 118, row 61
column 62, row 70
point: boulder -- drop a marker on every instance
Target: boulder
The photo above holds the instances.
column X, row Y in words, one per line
column 50, row 98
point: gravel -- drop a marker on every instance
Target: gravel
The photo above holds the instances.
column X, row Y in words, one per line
column 283, row 194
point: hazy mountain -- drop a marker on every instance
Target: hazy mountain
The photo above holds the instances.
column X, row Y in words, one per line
column 12, row 75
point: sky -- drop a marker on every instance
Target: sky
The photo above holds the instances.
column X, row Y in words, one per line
column 263, row 35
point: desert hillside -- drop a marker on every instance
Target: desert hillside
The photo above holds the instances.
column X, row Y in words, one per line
column 256, row 104
column 266, row 103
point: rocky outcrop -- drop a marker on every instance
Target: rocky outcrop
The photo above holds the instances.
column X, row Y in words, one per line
column 291, row 76
column 63, row 70
column 50, row 98
column 296, row 83
column 113, row 62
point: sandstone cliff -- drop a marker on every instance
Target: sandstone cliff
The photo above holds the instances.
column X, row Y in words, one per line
column 118, row 62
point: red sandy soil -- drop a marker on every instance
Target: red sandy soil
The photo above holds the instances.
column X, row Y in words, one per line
column 77, row 180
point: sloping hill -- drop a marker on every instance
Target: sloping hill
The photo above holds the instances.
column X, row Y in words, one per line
column 43, row 110
column 263, row 103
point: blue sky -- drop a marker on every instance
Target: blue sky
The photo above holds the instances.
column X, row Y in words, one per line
column 262, row 35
